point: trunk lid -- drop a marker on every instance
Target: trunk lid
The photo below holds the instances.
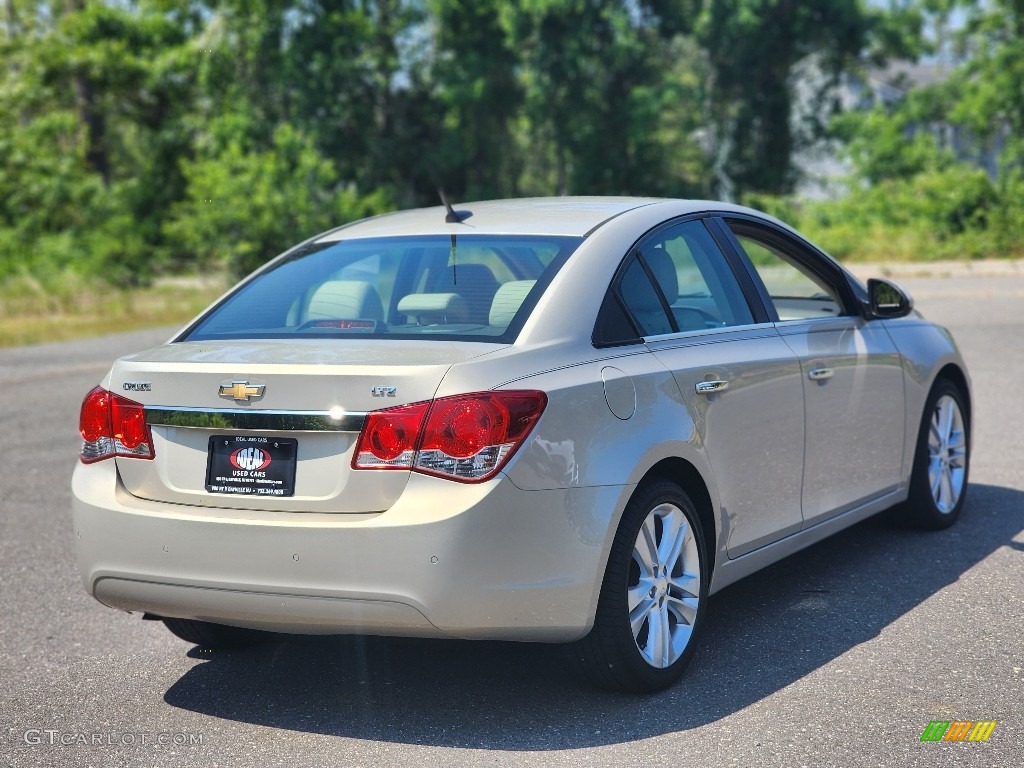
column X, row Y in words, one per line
column 306, row 390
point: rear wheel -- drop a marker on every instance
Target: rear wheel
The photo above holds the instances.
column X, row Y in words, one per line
column 652, row 597
column 938, row 483
column 214, row 636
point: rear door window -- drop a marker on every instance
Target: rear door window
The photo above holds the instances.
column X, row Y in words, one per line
column 676, row 280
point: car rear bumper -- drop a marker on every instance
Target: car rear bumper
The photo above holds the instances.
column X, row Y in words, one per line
column 449, row 559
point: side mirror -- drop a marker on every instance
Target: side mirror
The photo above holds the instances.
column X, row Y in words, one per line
column 887, row 300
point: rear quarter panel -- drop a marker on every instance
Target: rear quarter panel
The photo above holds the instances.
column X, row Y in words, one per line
column 580, row 443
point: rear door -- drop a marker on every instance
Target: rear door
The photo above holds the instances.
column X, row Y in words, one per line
column 738, row 378
column 851, row 372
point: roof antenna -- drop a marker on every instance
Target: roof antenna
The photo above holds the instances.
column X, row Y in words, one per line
column 453, row 216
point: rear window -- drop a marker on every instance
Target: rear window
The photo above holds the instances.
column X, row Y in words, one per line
column 468, row 287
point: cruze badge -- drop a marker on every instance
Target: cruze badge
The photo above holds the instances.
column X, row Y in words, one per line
column 137, row 386
column 241, row 390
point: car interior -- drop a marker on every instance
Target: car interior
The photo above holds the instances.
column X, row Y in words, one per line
column 472, row 287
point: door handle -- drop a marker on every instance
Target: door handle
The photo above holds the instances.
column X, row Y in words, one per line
column 711, row 387
column 820, row 374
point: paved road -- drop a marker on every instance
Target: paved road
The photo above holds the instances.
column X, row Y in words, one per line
column 838, row 656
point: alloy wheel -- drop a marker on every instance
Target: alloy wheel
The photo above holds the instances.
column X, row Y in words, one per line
column 663, row 592
column 947, row 452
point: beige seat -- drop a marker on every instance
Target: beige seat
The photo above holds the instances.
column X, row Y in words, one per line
column 507, row 301
column 345, row 300
column 475, row 283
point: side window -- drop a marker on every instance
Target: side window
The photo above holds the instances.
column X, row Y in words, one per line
column 692, row 273
column 676, row 280
column 795, row 291
column 643, row 302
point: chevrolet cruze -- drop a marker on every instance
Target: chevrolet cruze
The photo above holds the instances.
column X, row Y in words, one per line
column 564, row 420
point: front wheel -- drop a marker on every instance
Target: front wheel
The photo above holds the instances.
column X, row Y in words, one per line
column 652, row 597
column 938, row 483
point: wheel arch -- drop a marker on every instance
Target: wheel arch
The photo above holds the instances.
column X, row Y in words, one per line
column 955, row 375
column 684, row 474
column 923, row 509
column 610, row 653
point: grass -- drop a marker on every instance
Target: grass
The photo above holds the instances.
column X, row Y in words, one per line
column 69, row 307
column 910, row 221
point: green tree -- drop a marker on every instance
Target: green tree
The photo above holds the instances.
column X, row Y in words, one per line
column 898, row 141
column 597, row 97
column 474, row 79
column 919, row 165
column 358, row 86
column 245, row 206
column 90, row 99
column 753, row 47
column 989, row 86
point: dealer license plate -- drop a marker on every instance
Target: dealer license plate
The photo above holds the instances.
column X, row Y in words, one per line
column 250, row 465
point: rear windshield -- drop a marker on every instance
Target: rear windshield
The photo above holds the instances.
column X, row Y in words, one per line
column 466, row 287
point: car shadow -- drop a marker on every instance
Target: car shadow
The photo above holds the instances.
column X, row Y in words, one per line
column 762, row 634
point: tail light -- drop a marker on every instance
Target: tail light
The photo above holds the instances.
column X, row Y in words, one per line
column 112, row 425
column 388, row 439
column 464, row 437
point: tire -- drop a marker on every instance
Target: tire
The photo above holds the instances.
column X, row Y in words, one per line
column 938, row 481
column 631, row 654
column 218, row 637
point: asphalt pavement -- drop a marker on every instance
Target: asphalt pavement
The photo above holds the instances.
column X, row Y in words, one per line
column 838, row 656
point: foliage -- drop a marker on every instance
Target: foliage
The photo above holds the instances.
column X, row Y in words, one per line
column 478, row 104
column 938, row 214
column 882, row 145
column 242, row 205
column 916, row 192
column 607, row 96
column 753, row 47
column 989, row 88
column 158, row 136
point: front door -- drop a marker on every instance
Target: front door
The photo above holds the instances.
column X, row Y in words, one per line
column 851, row 374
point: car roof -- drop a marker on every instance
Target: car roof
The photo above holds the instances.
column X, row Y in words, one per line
column 565, row 216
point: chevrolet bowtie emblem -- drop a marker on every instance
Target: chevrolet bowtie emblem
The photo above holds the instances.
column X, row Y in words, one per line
column 241, row 390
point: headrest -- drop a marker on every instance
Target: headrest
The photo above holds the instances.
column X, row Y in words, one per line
column 345, row 299
column 429, row 308
column 507, row 301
